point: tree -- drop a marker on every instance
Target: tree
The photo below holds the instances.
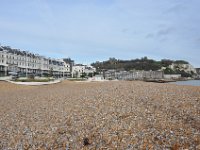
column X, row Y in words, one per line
column 166, row 62
column 51, row 72
column 183, row 73
column 168, row 71
column 83, row 75
column 136, row 64
column 90, row 74
column 181, row 62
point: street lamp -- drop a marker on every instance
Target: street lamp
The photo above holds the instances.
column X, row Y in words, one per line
column 63, row 71
column 26, row 63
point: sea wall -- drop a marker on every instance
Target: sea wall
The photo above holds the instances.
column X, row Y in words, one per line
column 134, row 75
column 172, row 76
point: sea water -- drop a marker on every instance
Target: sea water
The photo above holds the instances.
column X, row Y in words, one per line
column 189, row 82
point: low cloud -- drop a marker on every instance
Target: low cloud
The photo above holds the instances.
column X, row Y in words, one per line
column 150, row 36
column 166, row 31
column 175, row 9
column 125, row 30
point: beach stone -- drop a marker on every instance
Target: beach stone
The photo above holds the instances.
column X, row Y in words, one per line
column 107, row 115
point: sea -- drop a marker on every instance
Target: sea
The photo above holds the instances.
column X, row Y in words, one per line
column 189, row 82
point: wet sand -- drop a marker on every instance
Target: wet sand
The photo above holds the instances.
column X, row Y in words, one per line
column 107, row 115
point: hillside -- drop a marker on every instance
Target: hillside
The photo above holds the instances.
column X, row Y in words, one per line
column 168, row 66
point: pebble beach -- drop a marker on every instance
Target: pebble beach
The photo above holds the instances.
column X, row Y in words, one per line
column 113, row 115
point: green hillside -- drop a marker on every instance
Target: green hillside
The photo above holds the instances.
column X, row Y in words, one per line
column 141, row 64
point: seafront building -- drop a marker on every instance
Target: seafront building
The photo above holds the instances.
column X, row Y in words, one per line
column 70, row 62
column 80, row 69
column 15, row 61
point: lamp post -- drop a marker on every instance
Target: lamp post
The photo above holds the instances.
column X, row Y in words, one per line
column 26, row 63
column 63, row 71
column 82, row 74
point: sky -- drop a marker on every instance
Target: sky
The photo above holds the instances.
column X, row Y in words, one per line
column 95, row 30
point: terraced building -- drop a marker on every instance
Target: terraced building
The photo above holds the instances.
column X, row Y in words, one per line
column 15, row 61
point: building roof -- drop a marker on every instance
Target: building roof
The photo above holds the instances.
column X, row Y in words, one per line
column 18, row 52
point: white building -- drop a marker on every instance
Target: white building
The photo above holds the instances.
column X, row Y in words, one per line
column 79, row 69
column 23, row 62
column 89, row 69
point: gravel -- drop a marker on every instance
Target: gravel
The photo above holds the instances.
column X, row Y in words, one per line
column 108, row 115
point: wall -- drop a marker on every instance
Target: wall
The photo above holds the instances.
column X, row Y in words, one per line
column 133, row 75
column 172, row 76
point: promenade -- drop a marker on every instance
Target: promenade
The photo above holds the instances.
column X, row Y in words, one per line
column 96, row 115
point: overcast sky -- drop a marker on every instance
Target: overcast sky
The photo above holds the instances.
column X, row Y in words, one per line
column 91, row 30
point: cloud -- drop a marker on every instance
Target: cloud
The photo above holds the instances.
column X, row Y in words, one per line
column 162, row 34
column 198, row 40
column 125, row 30
column 166, row 31
column 101, row 29
column 177, row 8
column 150, row 36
